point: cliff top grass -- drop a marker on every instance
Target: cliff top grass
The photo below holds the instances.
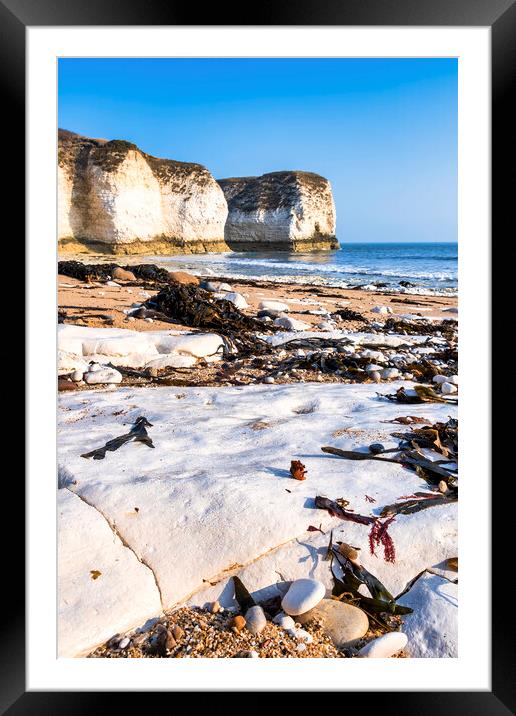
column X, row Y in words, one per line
column 75, row 149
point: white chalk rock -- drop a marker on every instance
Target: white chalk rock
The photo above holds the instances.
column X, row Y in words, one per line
column 390, row 373
column 439, row 379
column 236, row 299
column 301, row 635
column 284, row 621
column 325, row 326
column 69, row 362
column 291, row 324
column 448, row 388
column 453, row 379
column 271, row 305
column 381, row 309
column 268, row 379
column 77, row 375
column 432, row 628
column 373, row 368
column 94, row 367
column 89, row 609
column 385, row 646
column 255, row 620
column 373, row 355
column 199, row 345
column 303, row 595
column 172, row 361
column 105, row 375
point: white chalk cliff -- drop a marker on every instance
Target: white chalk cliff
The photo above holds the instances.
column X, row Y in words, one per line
column 289, row 210
column 115, row 198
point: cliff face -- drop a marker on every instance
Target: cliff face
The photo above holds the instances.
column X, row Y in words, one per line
column 114, row 198
column 290, row 210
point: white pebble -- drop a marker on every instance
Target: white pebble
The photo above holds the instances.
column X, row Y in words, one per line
column 269, row 379
column 448, row 388
column 390, row 373
column 124, row 643
column 385, row 646
column 284, row 621
column 440, row 379
column 303, row 595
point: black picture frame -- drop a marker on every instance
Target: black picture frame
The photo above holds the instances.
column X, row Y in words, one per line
column 500, row 16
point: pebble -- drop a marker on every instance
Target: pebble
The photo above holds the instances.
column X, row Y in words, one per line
column 77, row 375
column 376, row 448
column 130, row 318
column 291, row 324
column 271, row 305
column 149, row 320
column 124, row 643
column 454, row 379
column 250, row 654
column 113, row 642
column 120, row 274
column 440, row 379
column 284, row 621
column 301, row 635
column 177, row 632
column 255, row 620
column 238, row 623
column 105, row 375
column 184, row 277
column 303, row 595
column 301, row 647
column 236, row 299
column 375, row 375
column 448, row 388
column 268, row 379
column 326, row 326
column 344, row 623
column 390, row 373
column 215, row 607
column 381, row 309
column 385, row 646
column 373, row 368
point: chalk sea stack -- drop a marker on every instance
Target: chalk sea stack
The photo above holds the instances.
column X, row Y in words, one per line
column 115, row 198
column 286, row 211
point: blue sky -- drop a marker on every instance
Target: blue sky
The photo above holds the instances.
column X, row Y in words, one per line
column 383, row 131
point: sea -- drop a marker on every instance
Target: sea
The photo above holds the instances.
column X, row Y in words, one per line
column 425, row 268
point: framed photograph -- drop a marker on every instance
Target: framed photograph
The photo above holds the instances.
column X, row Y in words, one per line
column 258, row 289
